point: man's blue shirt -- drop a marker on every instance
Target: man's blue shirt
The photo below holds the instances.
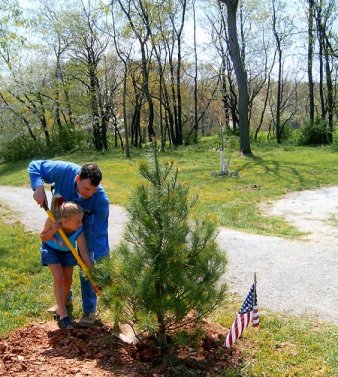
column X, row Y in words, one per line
column 96, row 208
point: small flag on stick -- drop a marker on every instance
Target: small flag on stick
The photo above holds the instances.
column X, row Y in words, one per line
column 247, row 314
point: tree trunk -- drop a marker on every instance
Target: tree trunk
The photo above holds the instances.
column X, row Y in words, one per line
column 94, row 108
column 195, row 127
column 241, row 76
column 124, row 104
column 279, row 81
column 58, row 82
column 321, row 62
column 264, row 107
column 69, row 109
column 173, row 94
column 146, row 91
column 310, row 62
column 329, row 88
column 43, row 120
column 179, row 129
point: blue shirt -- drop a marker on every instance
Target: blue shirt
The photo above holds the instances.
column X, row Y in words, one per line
column 59, row 244
column 96, row 208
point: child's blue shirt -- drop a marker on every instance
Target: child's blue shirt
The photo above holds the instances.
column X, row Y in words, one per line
column 59, row 244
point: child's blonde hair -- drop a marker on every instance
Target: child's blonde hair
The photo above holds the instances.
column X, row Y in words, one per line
column 62, row 209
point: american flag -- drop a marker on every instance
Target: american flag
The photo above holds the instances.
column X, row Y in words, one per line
column 226, row 165
column 247, row 314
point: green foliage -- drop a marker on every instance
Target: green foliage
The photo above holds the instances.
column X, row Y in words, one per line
column 168, row 265
column 20, row 148
column 69, row 139
column 24, row 147
column 314, row 134
column 190, row 138
column 289, row 134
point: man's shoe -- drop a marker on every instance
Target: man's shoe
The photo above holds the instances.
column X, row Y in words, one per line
column 87, row 320
column 65, row 323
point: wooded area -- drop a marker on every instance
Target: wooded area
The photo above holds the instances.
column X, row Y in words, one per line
column 96, row 74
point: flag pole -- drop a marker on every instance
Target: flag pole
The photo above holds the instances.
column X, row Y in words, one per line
column 255, row 283
column 255, row 321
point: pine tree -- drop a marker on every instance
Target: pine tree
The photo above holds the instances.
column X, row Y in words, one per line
column 168, row 265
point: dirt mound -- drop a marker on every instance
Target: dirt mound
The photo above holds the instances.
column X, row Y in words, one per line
column 41, row 349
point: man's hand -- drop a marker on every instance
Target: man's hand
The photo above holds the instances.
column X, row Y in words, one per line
column 40, row 196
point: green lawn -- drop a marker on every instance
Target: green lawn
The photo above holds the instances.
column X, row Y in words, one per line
column 284, row 345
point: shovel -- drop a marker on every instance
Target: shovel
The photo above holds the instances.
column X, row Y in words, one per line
column 63, row 235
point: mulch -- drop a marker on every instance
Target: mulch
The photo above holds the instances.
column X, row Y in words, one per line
column 42, row 350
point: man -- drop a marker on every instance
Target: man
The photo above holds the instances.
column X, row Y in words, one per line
column 82, row 186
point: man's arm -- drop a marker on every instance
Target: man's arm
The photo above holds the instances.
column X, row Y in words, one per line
column 45, row 171
column 37, row 182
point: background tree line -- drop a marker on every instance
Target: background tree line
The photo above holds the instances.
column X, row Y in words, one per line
column 93, row 74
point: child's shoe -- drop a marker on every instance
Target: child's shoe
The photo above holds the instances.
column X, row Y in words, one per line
column 65, row 323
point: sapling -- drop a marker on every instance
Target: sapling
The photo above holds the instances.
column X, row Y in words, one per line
column 166, row 271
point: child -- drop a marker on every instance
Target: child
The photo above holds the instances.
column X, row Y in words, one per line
column 56, row 255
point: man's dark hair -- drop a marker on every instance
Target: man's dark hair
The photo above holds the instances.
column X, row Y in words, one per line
column 92, row 172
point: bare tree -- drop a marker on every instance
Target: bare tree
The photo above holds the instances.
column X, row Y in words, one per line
column 87, row 47
column 324, row 14
column 228, row 91
column 124, row 55
column 138, row 18
column 241, row 76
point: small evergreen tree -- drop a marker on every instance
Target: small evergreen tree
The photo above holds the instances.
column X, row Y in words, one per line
column 168, row 266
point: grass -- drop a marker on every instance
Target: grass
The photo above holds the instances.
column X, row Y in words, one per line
column 284, row 345
column 295, row 347
column 19, row 269
column 233, row 202
column 25, row 286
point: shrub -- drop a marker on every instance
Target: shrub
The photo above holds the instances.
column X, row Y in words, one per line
column 24, row 147
column 69, row 139
column 314, row 134
column 20, row 148
column 289, row 134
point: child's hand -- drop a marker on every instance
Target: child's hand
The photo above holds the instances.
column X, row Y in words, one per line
column 56, row 226
column 49, row 231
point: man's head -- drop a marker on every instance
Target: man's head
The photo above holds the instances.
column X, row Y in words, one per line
column 88, row 180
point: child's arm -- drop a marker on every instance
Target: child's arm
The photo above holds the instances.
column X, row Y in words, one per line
column 49, row 230
column 82, row 246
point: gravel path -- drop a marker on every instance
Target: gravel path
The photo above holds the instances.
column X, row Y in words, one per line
column 298, row 277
